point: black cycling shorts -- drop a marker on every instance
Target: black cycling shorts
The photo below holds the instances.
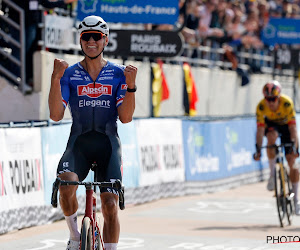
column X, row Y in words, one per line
column 283, row 131
column 92, row 147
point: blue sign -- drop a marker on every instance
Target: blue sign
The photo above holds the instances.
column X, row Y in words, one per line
column 281, row 31
column 130, row 11
column 216, row 150
column 131, row 170
column 54, row 142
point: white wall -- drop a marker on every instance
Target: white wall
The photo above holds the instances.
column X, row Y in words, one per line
column 16, row 107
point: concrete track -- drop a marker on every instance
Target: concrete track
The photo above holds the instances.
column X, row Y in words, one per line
column 244, row 218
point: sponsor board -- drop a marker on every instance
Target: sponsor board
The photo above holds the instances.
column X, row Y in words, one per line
column 281, row 31
column 58, row 32
column 160, row 151
column 21, row 168
column 144, row 43
column 131, row 170
column 287, row 58
column 130, row 11
column 54, row 142
column 215, row 150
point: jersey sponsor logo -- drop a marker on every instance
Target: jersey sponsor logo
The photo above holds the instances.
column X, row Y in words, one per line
column 124, row 86
column 261, row 107
column 95, row 103
column 120, row 99
column 105, row 78
column 94, row 90
column 108, row 74
column 76, row 78
column 108, row 71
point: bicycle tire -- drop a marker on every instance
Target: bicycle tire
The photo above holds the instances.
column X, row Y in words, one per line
column 87, row 234
column 289, row 201
column 280, row 200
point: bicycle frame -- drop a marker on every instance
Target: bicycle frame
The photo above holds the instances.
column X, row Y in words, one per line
column 91, row 202
column 282, row 190
column 90, row 211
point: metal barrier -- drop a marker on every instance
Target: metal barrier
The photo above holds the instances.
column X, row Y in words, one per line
column 16, row 59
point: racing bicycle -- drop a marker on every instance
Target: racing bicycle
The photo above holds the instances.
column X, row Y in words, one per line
column 283, row 191
column 91, row 237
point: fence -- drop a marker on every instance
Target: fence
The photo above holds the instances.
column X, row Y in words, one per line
column 13, row 58
column 181, row 157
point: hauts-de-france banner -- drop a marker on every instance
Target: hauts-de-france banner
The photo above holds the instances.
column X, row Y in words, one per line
column 130, row 11
column 281, row 31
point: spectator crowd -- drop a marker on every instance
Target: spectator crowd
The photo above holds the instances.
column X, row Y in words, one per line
column 234, row 22
column 230, row 23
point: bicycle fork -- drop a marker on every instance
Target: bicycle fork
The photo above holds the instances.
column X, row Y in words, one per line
column 90, row 209
column 288, row 195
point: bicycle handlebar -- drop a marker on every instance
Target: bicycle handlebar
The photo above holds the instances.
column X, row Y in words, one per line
column 117, row 185
column 279, row 145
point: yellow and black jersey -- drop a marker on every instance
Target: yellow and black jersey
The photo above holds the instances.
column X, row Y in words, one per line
column 285, row 114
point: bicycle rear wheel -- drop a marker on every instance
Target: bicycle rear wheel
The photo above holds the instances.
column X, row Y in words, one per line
column 87, row 234
column 280, row 199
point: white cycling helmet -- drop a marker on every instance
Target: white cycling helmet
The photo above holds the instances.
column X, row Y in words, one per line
column 93, row 23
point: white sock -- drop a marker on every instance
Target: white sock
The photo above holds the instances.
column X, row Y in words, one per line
column 272, row 164
column 72, row 224
column 110, row 246
column 295, row 191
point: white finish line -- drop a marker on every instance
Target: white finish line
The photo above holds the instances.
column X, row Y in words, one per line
column 124, row 243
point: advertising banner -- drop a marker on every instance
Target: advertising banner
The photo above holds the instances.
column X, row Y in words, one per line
column 21, row 169
column 287, row 58
column 54, row 143
column 160, row 151
column 131, row 170
column 144, row 43
column 282, row 31
column 130, row 11
column 58, row 32
column 215, row 150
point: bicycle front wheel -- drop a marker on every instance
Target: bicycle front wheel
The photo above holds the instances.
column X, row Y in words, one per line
column 289, row 197
column 99, row 244
column 87, row 234
column 280, row 198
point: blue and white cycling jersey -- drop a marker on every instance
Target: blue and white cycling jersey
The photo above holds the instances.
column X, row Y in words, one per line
column 93, row 105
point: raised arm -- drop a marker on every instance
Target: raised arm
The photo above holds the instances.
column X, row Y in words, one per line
column 55, row 97
column 126, row 110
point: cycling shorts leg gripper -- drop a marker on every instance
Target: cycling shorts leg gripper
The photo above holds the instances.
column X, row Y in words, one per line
column 113, row 170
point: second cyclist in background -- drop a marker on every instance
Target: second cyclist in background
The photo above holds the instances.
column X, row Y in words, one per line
column 276, row 116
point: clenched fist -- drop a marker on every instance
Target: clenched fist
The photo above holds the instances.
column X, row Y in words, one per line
column 130, row 75
column 59, row 68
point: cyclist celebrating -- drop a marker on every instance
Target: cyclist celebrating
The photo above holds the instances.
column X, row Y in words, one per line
column 97, row 92
column 276, row 116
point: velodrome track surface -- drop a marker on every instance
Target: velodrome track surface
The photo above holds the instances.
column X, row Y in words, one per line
column 238, row 219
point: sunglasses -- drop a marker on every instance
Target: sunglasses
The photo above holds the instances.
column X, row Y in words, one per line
column 271, row 99
column 86, row 36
